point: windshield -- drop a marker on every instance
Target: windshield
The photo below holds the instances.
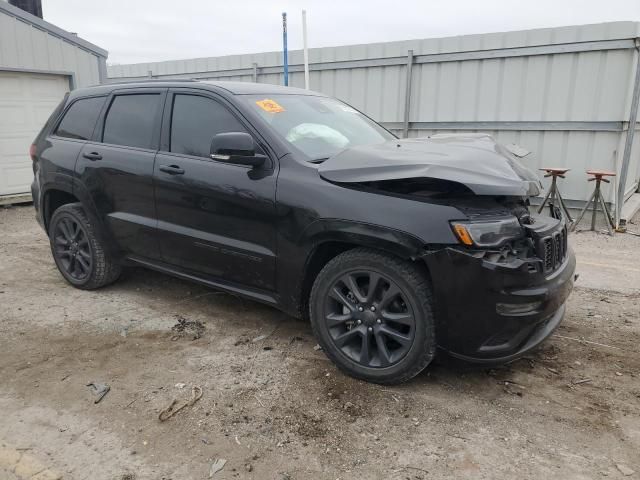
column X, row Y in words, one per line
column 318, row 126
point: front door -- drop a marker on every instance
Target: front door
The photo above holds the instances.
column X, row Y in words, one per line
column 214, row 218
column 117, row 169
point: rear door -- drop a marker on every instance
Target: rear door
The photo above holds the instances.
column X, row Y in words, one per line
column 116, row 168
column 214, row 218
column 58, row 153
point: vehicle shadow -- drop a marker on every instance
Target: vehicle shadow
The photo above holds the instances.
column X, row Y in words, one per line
column 181, row 297
column 244, row 317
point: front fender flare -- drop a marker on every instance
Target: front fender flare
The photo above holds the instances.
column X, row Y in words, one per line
column 390, row 240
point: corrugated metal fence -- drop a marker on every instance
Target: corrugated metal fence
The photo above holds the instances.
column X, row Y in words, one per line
column 564, row 94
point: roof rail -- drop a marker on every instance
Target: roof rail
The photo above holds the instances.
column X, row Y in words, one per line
column 169, row 80
column 116, row 81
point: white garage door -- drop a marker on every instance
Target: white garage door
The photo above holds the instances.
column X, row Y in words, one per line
column 26, row 101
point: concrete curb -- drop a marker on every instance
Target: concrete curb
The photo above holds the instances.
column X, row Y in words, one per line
column 24, row 466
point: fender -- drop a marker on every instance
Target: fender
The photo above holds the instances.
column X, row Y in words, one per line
column 363, row 234
column 82, row 193
column 76, row 188
column 294, row 269
column 63, row 183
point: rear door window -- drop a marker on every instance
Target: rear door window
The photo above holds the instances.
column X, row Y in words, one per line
column 80, row 118
column 131, row 120
column 194, row 122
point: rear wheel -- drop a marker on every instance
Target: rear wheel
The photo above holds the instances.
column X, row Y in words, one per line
column 372, row 314
column 78, row 251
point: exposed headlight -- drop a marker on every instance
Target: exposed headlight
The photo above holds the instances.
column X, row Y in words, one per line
column 492, row 233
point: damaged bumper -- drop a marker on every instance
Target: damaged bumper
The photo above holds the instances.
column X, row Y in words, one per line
column 493, row 312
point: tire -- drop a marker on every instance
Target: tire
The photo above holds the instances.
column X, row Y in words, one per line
column 382, row 335
column 78, row 250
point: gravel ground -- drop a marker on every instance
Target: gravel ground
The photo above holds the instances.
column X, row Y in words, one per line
column 275, row 408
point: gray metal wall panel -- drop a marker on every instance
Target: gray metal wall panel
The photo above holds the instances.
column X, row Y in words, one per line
column 580, row 150
column 549, row 79
column 24, row 46
column 555, row 36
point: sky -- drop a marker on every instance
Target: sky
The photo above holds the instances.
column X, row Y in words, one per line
column 136, row 31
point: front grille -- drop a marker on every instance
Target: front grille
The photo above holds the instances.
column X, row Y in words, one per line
column 552, row 249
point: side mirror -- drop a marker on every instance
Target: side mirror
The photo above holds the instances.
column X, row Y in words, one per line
column 235, row 147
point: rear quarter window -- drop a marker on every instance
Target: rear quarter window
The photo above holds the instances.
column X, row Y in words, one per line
column 80, row 119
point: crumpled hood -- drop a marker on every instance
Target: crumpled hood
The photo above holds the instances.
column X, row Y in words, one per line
column 474, row 160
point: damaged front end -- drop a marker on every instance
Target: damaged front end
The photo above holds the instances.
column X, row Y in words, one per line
column 474, row 161
column 501, row 290
column 495, row 303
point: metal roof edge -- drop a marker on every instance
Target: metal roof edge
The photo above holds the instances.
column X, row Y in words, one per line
column 5, row 7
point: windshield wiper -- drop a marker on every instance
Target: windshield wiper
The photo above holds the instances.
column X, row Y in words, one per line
column 319, row 160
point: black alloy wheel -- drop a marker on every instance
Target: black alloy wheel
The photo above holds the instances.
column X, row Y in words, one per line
column 72, row 248
column 369, row 319
column 79, row 251
column 372, row 314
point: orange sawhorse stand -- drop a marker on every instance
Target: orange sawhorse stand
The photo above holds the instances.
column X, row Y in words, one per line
column 554, row 193
column 597, row 197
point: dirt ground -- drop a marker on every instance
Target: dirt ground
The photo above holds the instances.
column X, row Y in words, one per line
column 274, row 407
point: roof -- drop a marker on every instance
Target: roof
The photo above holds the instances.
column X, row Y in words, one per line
column 248, row 88
column 235, row 88
column 37, row 22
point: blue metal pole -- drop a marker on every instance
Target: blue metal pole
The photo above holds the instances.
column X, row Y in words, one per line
column 284, row 49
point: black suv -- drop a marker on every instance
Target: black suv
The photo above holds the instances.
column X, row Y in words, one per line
column 394, row 249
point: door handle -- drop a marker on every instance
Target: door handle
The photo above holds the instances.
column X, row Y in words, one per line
column 171, row 169
column 92, row 156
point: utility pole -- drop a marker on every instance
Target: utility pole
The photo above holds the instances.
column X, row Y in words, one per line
column 305, row 50
column 285, row 55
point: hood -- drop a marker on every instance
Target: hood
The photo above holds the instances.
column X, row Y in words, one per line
column 474, row 160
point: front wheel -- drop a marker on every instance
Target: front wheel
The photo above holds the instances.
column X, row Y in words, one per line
column 372, row 314
column 78, row 250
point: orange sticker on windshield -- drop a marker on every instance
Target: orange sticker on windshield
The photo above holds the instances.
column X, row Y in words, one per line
column 270, row 106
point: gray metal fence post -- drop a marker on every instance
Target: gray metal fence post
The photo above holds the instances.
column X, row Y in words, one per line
column 407, row 95
column 255, row 73
column 628, row 144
